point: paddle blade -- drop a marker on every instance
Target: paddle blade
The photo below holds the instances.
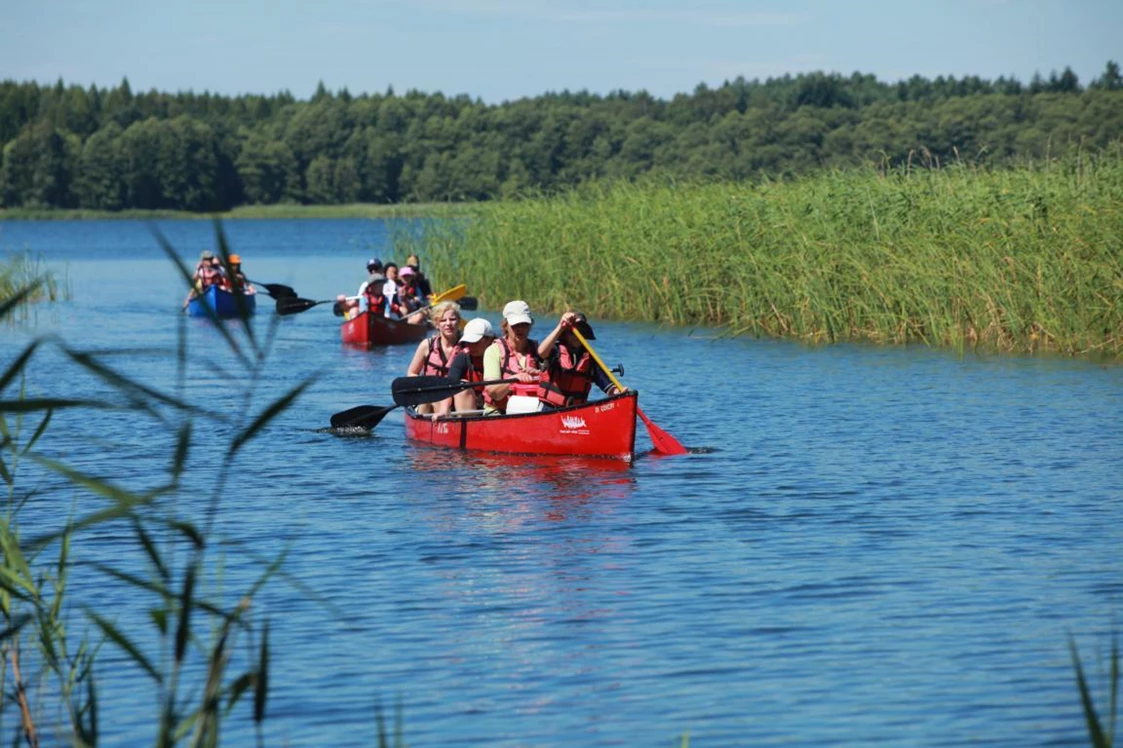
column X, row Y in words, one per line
column 278, row 291
column 470, row 303
column 663, row 442
column 420, row 390
column 453, row 294
column 295, row 306
column 362, row 416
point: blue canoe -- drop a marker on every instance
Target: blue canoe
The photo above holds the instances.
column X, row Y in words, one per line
column 222, row 302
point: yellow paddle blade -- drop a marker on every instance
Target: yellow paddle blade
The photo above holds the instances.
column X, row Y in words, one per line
column 453, row 294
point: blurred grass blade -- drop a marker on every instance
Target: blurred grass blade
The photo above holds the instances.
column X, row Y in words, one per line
column 125, row 384
column 20, row 621
column 268, row 414
column 17, row 366
column 182, row 446
column 1095, row 730
column 39, row 431
column 261, row 682
column 183, row 627
column 122, row 641
column 150, row 549
column 10, row 303
column 34, row 404
column 163, row 593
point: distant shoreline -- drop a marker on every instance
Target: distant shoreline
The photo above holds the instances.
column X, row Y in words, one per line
column 354, row 210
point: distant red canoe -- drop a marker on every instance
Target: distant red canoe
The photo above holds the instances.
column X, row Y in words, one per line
column 604, row 428
column 367, row 330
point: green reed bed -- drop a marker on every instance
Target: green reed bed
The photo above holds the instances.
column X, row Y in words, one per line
column 1021, row 259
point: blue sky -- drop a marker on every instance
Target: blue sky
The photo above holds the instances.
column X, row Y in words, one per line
column 508, row 49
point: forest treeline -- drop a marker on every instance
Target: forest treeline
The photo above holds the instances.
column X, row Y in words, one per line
column 65, row 146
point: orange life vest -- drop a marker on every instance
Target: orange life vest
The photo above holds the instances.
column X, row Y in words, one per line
column 569, row 379
column 509, row 366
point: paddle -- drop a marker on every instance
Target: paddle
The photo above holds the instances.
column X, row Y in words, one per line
column 663, row 442
column 407, row 391
column 453, row 294
column 471, row 303
column 276, row 290
column 362, row 416
column 297, row 305
column 421, row 390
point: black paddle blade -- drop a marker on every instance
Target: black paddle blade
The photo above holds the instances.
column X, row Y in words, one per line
column 276, row 290
column 296, row 306
column 471, row 303
column 420, row 390
column 362, row 416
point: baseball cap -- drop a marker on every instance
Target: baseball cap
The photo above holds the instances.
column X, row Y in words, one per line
column 517, row 312
column 476, row 330
column 406, row 272
column 207, row 255
column 583, row 327
column 374, row 262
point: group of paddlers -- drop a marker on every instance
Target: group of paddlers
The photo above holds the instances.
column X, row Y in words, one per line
column 555, row 372
column 390, row 291
column 210, row 271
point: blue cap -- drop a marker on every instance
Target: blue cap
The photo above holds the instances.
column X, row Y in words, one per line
column 374, row 262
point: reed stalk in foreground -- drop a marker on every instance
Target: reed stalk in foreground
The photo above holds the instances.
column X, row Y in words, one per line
column 1022, row 259
column 178, row 635
column 1101, row 727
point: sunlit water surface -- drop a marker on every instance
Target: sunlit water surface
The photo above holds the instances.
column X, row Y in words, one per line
column 866, row 545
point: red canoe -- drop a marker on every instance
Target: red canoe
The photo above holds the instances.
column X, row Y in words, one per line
column 604, row 428
column 369, row 329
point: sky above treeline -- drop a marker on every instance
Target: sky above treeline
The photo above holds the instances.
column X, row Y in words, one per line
column 500, row 50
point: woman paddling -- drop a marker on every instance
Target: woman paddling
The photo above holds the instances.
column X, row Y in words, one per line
column 435, row 353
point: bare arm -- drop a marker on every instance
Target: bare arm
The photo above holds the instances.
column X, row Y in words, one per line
column 417, row 365
column 546, row 347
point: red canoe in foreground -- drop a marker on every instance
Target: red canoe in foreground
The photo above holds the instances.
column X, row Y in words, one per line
column 368, row 329
column 603, row 428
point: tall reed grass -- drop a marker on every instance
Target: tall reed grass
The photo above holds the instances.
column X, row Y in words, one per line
column 1021, row 259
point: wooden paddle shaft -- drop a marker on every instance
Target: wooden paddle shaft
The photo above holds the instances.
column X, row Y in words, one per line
column 611, row 377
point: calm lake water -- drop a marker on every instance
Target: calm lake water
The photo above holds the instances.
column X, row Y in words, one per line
column 867, row 545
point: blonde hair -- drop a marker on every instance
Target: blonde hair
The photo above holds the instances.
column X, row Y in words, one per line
column 438, row 310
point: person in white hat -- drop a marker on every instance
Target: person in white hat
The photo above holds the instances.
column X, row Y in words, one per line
column 468, row 366
column 512, row 356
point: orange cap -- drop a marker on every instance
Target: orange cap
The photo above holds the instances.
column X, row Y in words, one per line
column 235, row 260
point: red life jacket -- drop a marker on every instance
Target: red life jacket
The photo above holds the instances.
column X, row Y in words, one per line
column 436, row 363
column 569, row 379
column 375, row 305
column 509, row 366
